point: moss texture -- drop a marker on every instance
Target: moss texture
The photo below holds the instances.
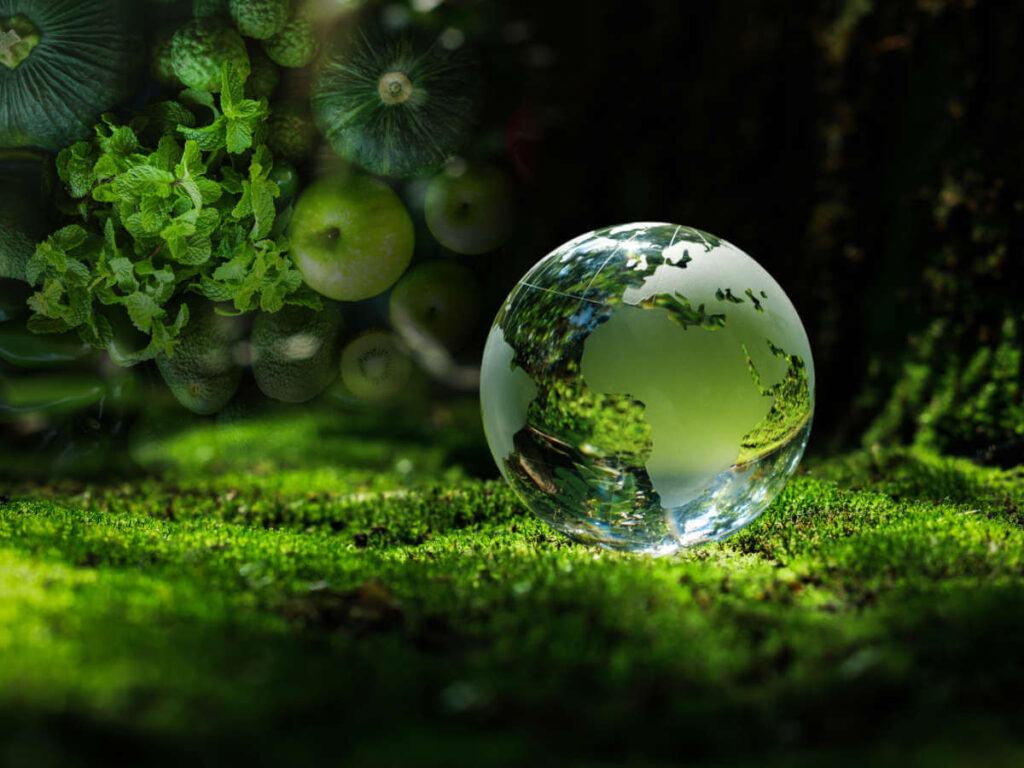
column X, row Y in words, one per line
column 247, row 597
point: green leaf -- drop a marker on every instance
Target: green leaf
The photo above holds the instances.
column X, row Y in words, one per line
column 144, row 181
column 68, row 238
column 142, row 310
column 200, row 99
column 122, row 141
column 232, row 88
column 43, row 324
column 165, row 117
column 263, row 194
column 154, row 212
column 167, row 154
column 105, row 193
column 262, row 164
column 231, row 180
column 244, row 206
column 98, row 333
column 208, row 138
column 123, row 272
column 215, row 290
column 238, row 136
column 209, row 190
column 75, row 167
column 207, row 222
column 197, row 252
column 191, row 161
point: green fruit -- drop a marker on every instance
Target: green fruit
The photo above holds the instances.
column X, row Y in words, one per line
column 203, row 9
column 22, row 213
column 351, row 237
column 200, row 49
column 264, row 77
column 23, row 348
column 260, row 19
column 471, row 213
column 292, row 133
column 203, row 373
column 375, row 366
column 394, row 108
column 161, row 66
column 62, row 63
column 295, row 45
column 437, row 299
column 51, row 394
column 295, row 351
column 286, row 177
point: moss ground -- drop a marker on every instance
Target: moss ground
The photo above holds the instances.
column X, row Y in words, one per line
column 295, row 590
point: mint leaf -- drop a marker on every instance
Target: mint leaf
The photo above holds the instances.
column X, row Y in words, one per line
column 263, row 194
column 75, row 167
column 238, row 136
column 141, row 310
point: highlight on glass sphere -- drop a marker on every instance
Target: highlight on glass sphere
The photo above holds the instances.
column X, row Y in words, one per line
column 647, row 387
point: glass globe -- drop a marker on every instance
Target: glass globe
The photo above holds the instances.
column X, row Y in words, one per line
column 647, row 387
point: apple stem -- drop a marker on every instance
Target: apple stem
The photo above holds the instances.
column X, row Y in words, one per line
column 394, row 88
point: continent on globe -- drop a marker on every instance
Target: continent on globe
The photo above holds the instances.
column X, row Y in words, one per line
column 646, row 387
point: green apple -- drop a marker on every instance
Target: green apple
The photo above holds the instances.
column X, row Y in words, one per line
column 472, row 212
column 439, row 299
column 351, row 236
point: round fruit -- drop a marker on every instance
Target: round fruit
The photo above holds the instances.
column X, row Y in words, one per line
column 202, row 9
column 295, row 45
column 260, row 19
column 295, row 351
column 292, row 133
column 351, row 237
column 439, row 299
column 286, row 177
column 265, row 75
column 471, row 213
column 203, row 374
column 62, row 63
column 161, row 67
column 375, row 366
column 200, row 49
column 394, row 108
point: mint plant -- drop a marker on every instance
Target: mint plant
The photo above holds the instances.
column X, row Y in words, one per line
column 162, row 206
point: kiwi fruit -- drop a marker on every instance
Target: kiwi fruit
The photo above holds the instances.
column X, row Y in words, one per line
column 375, row 366
column 394, row 106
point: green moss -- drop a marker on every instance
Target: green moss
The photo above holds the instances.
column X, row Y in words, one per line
column 355, row 582
column 958, row 396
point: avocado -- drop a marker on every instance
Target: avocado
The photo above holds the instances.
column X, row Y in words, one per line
column 295, row 351
column 202, row 373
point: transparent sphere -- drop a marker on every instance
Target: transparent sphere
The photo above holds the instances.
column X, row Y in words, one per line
column 647, row 387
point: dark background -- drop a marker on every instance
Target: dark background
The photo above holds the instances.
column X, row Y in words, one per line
column 867, row 154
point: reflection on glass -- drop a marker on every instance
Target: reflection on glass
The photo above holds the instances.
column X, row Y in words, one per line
column 647, row 387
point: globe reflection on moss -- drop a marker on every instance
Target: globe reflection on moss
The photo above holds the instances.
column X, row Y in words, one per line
column 647, row 387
